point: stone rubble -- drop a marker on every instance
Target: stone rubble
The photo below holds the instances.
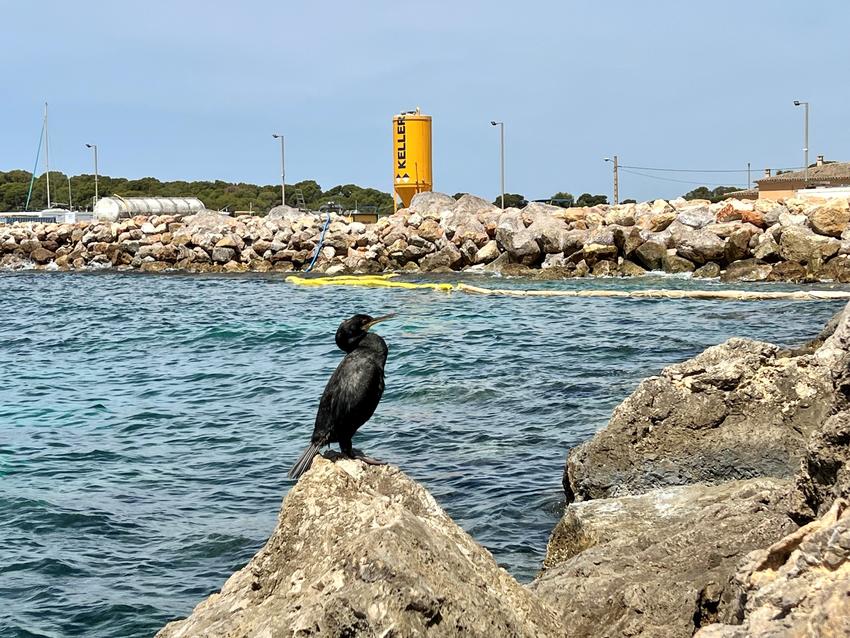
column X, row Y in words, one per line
column 791, row 240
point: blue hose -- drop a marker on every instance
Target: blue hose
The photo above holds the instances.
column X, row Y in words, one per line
column 321, row 241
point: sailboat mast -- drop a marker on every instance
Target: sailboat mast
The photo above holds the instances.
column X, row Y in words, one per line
column 47, row 154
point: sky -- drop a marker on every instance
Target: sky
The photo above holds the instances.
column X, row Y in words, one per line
column 194, row 90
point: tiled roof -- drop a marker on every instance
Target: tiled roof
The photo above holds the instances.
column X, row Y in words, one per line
column 832, row 172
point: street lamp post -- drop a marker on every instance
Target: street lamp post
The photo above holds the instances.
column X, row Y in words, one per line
column 501, row 126
column 616, row 178
column 282, row 170
column 94, row 148
column 805, row 106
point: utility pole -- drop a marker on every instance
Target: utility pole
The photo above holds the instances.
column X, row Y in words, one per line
column 282, row 170
column 749, row 181
column 70, row 207
column 501, row 126
column 616, row 162
column 94, row 147
column 805, row 139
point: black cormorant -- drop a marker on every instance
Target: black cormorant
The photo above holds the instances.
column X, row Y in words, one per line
column 352, row 392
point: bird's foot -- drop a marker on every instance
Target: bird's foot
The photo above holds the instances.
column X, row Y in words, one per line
column 357, row 454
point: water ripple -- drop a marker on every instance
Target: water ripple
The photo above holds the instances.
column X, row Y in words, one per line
column 147, row 422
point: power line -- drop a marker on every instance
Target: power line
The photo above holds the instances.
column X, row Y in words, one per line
column 706, row 170
column 680, row 181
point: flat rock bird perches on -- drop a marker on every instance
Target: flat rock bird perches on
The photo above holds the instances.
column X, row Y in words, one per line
column 352, row 393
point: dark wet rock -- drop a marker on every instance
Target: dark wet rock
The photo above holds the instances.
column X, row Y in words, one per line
column 447, row 257
column 676, row 264
column 788, row 271
column 364, row 551
column 825, row 470
column 631, row 269
column 737, row 246
column 796, row 588
column 41, row 255
column 627, row 239
column 656, row 565
column 838, row 269
column 747, row 270
column 710, row 270
column 651, row 254
column 604, row 268
column 738, row 410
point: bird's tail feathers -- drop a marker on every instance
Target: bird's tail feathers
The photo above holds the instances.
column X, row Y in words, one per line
column 304, row 461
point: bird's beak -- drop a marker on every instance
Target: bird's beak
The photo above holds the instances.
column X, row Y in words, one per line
column 378, row 320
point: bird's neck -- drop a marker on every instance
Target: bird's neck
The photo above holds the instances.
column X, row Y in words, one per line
column 374, row 344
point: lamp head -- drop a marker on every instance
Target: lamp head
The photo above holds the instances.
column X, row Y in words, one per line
column 607, row 159
column 796, row 102
column 89, row 145
column 275, row 135
column 494, row 122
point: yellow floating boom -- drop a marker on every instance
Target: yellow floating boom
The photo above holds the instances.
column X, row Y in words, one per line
column 384, row 281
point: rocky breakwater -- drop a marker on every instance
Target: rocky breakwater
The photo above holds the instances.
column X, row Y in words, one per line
column 684, row 511
column 794, row 240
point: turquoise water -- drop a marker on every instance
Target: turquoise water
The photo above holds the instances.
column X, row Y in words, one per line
column 147, row 422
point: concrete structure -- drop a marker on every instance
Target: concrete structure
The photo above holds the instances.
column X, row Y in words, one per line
column 794, row 184
column 117, row 207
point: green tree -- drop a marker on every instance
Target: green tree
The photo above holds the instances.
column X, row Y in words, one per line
column 586, row 199
column 563, row 199
column 713, row 195
column 512, row 200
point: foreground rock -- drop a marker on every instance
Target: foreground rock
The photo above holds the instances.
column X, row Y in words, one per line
column 738, row 410
column 798, row 587
column 672, row 560
column 657, row 564
column 364, row 551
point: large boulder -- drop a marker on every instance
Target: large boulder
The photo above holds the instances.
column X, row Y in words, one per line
column 831, row 219
column 477, row 206
column 700, row 246
column 515, row 239
column 461, row 225
column 651, row 254
column 738, row 410
column 447, row 257
column 797, row 587
column 551, row 234
column 656, row 565
column 285, row 212
column 747, row 270
column 801, row 244
column 695, row 216
column 431, row 204
column 364, row 551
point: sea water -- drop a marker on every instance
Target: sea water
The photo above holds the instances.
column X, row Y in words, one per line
column 147, row 422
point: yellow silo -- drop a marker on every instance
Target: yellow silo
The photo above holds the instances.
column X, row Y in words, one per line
column 411, row 156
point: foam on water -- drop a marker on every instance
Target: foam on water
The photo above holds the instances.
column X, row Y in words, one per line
column 147, row 422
